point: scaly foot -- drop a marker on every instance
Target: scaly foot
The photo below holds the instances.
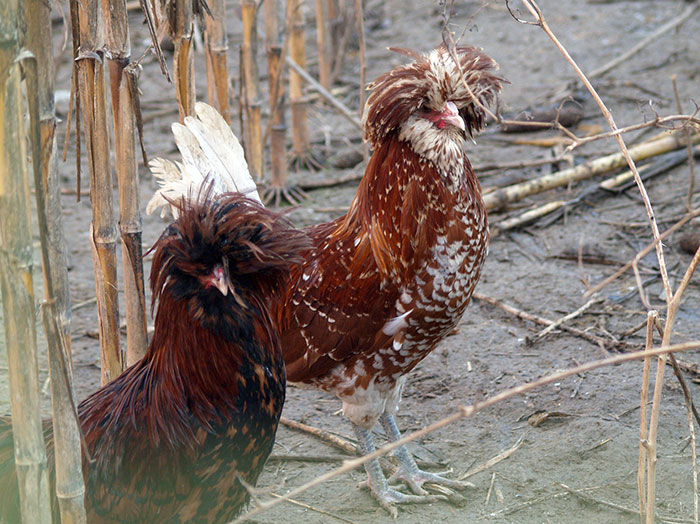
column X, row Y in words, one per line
column 411, row 475
column 377, row 484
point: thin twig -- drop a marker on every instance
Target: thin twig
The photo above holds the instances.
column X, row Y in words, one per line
column 312, row 508
column 495, row 460
column 671, row 24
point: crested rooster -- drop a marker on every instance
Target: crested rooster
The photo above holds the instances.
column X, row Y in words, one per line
column 180, row 434
column 384, row 284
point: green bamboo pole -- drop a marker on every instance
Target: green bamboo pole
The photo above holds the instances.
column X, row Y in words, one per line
column 16, row 279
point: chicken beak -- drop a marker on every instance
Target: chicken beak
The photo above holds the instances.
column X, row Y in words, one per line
column 220, row 280
column 450, row 115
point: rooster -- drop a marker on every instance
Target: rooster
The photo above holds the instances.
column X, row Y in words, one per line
column 180, row 435
column 384, row 284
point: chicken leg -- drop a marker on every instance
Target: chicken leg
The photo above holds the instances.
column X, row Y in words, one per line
column 377, row 483
column 408, row 471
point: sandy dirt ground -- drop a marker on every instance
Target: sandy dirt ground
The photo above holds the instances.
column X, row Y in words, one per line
column 590, row 441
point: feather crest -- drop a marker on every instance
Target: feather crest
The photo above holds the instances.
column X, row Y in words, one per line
column 430, row 81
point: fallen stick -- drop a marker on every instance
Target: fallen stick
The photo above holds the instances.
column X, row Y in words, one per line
column 501, row 197
column 326, row 436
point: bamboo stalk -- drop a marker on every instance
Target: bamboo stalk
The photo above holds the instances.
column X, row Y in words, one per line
column 123, row 86
column 103, row 234
column 324, row 66
column 181, row 28
column 252, row 131
column 278, row 133
column 69, row 484
column 216, row 47
column 297, row 51
column 501, row 197
column 16, row 281
column 359, row 15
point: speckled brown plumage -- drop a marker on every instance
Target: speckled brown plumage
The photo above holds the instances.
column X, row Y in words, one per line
column 172, row 435
column 388, row 281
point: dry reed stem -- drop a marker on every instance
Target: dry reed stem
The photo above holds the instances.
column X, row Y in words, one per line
column 297, row 51
column 359, row 17
column 180, row 25
column 124, row 90
column 324, row 66
column 69, row 484
column 277, row 124
column 16, row 280
column 643, row 429
column 216, row 47
column 250, row 90
column 103, row 234
column 468, row 412
column 691, row 159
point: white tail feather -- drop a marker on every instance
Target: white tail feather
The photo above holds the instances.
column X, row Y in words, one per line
column 211, row 154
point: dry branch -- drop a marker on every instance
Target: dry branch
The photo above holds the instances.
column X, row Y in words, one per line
column 16, row 280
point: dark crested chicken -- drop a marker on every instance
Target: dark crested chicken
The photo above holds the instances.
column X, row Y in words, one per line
column 384, row 284
column 179, row 434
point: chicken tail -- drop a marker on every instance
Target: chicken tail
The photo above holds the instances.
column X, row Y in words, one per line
column 211, row 156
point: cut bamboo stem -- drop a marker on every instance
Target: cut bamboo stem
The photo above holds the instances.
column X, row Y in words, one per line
column 103, row 233
column 181, row 28
column 69, row 484
column 252, row 130
column 360, row 19
column 216, row 47
column 123, row 84
column 278, row 132
column 297, row 51
column 501, row 197
column 324, row 66
column 16, row 281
